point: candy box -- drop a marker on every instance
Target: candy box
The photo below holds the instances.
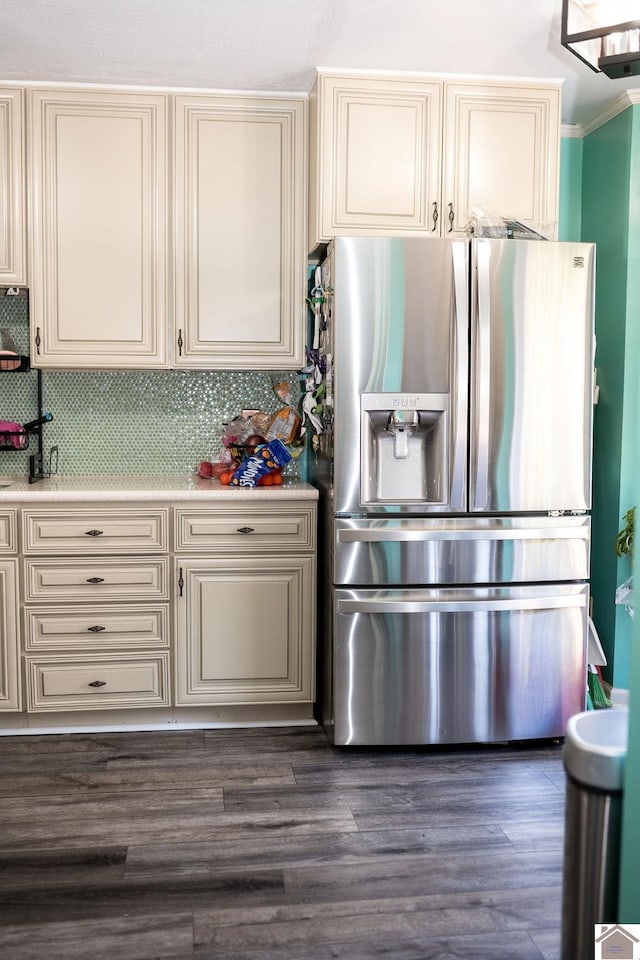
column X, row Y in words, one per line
column 266, row 458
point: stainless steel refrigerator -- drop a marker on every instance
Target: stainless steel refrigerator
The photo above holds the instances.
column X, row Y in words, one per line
column 454, row 468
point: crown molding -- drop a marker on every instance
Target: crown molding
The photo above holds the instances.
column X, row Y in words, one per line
column 572, row 130
column 619, row 105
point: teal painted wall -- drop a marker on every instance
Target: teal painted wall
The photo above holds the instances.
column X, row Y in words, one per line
column 606, row 178
column 611, row 218
column 630, row 453
column 569, row 226
column 629, row 896
column 629, row 901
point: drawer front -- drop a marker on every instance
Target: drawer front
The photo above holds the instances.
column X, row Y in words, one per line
column 8, row 526
column 96, row 628
column 96, row 580
column 261, row 528
column 96, row 532
column 97, row 683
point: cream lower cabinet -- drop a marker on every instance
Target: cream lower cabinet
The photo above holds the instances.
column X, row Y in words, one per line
column 245, row 612
column 96, row 618
column 10, row 698
column 13, row 259
column 98, row 233
column 240, row 266
column 10, row 688
column 412, row 156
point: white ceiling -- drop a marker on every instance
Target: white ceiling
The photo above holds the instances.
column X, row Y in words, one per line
column 277, row 44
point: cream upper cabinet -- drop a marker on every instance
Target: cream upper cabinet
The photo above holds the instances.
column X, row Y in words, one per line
column 13, row 260
column 240, row 255
column 501, row 152
column 374, row 156
column 411, row 156
column 98, row 229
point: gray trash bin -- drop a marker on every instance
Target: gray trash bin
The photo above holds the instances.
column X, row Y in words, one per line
column 595, row 753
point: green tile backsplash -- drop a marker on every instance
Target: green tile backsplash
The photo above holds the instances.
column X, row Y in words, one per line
column 133, row 422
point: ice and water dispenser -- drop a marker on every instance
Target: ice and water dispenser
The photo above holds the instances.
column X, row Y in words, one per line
column 404, row 447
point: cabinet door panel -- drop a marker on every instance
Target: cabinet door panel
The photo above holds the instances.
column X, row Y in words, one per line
column 8, row 538
column 376, row 163
column 239, row 231
column 98, row 238
column 244, row 631
column 9, row 660
column 13, row 266
column 379, row 156
column 501, row 152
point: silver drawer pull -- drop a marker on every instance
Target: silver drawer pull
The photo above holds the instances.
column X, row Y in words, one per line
column 96, row 629
column 246, row 530
column 98, row 683
column 95, row 580
column 94, row 533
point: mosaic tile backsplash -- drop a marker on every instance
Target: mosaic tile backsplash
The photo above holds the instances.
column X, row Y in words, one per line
column 133, row 422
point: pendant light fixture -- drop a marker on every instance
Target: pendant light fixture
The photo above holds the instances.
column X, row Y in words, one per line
column 604, row 34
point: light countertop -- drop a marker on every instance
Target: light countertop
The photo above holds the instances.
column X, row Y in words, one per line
column 60, row 488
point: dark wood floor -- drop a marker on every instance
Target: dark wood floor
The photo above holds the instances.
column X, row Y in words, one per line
column 270, row 844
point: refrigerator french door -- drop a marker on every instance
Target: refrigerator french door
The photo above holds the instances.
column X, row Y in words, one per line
column 532, row 355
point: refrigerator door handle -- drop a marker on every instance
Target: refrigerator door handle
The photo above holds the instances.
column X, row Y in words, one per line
column 384, row 606
column 383, row 535
column 457, row 492
column 482, row 356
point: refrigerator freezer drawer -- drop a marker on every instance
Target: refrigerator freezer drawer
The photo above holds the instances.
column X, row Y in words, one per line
column 423, row 551
column 458, row 665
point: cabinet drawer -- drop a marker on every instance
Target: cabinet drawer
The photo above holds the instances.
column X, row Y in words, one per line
column 96, row 580
column 260, row 528
column 96, row 627
column 100, row 531
column 97, row 683
column 8, row 541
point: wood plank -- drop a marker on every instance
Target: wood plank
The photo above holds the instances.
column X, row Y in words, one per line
column 384, row 794
column 196, row 827
column 133, row 777
column 380, row 927
column 470, row 810
column 92, row 865
column 112, row 744
column 263, row 849
column 124, row 938
column 503, row 869
column 109, row 806
column 69, row 901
